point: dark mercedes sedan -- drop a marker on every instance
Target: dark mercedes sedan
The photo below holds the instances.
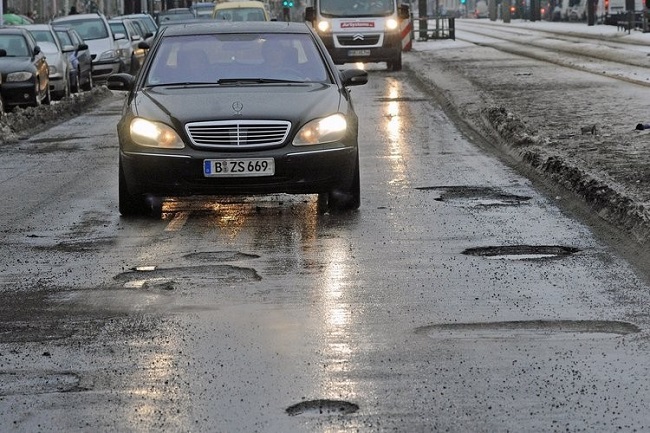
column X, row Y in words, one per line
column 238, row 108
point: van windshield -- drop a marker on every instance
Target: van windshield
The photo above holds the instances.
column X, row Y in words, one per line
column 357, row 8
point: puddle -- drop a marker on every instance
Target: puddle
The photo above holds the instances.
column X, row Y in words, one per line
column 55, row 139
column 322, row 407
column 533, row 329
column 521, row 252
column 475, row 196
column 220, row 256
column 31, row 383
column 203, row 272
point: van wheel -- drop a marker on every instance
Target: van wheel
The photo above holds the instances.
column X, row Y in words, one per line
column 396, row 63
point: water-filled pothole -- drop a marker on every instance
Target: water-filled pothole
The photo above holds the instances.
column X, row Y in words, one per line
column 322, row 407
column 34, row 383
column 530, row 329
column 522, row 252
column 475, row 196
column 204, row 272
column 220, row 256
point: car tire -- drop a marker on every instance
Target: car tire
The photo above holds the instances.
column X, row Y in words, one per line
column 346, row 200
column 88, row 85
column 396, row 63
column 48, row 96
column 129, row 204
column 75, row 87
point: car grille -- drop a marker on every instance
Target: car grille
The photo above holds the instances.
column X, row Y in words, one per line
column 358, row 40
column 238, row 134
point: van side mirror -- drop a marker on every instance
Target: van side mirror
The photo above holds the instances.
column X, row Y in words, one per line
column 310, row 14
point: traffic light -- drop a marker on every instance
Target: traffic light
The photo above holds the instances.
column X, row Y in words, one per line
column 465, row 1
column 606, row 6
column 287, row 3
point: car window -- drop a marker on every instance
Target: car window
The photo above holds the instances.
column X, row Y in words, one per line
column 14, row 45
column 43, row 36
column 88, row 29
column 118, row 28
column 240, row 14
column 64, row 37
column 210, row 58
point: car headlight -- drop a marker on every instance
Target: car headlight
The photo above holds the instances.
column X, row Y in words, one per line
column 109, row 55
column 53, row 69
column 154, row 134
column 391, row 24
column 325, row 130
column 324, row 26
column 14, row 77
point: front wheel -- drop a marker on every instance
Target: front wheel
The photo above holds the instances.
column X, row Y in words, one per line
column 347, row 199
column 396, row 63
column 129, row 204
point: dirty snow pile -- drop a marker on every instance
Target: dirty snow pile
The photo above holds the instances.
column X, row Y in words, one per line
column 21, row 122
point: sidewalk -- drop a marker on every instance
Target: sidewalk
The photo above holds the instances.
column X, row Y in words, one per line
column 574, row 129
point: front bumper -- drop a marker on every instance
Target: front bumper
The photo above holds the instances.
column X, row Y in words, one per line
column 102, row 70
column 296, row 172
column 19, row 93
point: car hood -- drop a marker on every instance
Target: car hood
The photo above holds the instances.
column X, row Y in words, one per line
column 297, row 103
column 15, row 64
column 99, row 46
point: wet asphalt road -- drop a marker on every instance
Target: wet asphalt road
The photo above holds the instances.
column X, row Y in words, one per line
column 267, row 314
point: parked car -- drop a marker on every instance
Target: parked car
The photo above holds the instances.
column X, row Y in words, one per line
column 132, row 50
column 241, row 11
column 176, row 14
column 58, row 61
column 148, row 21
column 203, row 118
column 24, row 69
column 96, row 33
column 81, row 75
column 202, row 10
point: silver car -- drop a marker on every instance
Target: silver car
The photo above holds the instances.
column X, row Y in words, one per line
column 58, row 61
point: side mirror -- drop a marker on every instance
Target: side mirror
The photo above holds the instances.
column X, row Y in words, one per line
column 310, row 14
column 143, row 45
column 37, row 50
column 121, row 82
column 82, row 47
column 404, row 12
column 354, row 77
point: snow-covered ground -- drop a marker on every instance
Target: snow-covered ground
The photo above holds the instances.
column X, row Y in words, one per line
column 574, row 127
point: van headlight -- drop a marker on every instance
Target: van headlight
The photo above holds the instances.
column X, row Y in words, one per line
column 325, row 130
column 324, row 26
column 154, row 134
column 391, row 24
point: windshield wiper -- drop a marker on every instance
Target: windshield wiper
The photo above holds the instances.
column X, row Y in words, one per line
column 254, row 81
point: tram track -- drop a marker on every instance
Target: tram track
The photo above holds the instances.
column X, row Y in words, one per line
column 625, row 61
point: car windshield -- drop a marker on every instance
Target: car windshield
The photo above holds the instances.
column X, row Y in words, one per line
column 356, row 8
column 88, row 29
column 43, row 36
column 64, row 37
column 234, row 58
column 14, row 45
column 240, row 14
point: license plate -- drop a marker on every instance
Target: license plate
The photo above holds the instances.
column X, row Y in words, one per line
column 239, row 167
column 354, row 53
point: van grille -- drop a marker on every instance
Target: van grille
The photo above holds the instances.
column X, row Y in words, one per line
column 238, row 134
column 357, row 41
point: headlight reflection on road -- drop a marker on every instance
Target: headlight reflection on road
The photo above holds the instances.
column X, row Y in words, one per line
column 339, row 345
column 393, row 128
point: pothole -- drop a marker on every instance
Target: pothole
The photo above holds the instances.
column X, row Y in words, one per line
column 522, row 252
column 530, row 329
column 204, row 272
column 220, row 256
column 475, row 196
column 30, row 383
column 55, row 139
column 322, row 407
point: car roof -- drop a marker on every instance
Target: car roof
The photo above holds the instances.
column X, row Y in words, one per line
column 240, row 4
column 78, row 17
column 215, row 27
column 13, row 30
